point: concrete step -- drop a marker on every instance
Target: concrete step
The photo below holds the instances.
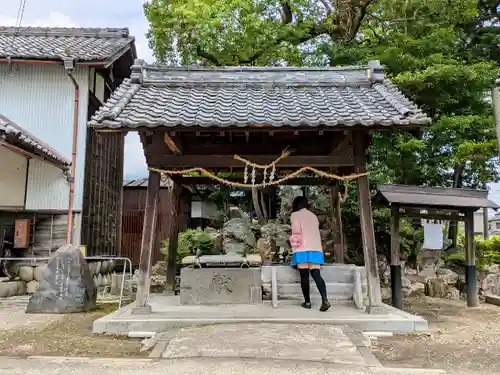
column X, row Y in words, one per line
column 340, row 290
column 332, row 273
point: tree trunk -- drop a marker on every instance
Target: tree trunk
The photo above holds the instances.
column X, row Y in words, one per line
column 256, row 206
column 264, row 206
column 457, row 183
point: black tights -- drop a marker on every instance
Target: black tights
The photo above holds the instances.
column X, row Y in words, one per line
column 320, row 283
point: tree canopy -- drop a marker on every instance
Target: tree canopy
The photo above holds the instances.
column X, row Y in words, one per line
column 443, row 54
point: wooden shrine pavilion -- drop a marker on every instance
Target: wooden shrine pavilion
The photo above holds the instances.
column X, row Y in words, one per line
column 203, row 117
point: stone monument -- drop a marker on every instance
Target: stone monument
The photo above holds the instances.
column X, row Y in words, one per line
column 67, row 285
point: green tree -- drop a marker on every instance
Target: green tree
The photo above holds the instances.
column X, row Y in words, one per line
column 247, row 32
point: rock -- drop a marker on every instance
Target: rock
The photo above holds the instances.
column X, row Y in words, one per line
column 386, row 292
column 216, row 237
column 160, row 268
column 26, row 273
column 418, row 289
column 449, row 276
column 266, row 248
column 437, row 288
column 492, row 299
column 406, row 287
column 429, row 259
column 104, row 266
column 384, row 270
column 32, row 286
column 67, row 286
column 4, row 290
column 97, row 269
column 453, row 294
column 238, row 237
column 491, row 284
column 280, row 233
column 494, row 268
column 39, row 272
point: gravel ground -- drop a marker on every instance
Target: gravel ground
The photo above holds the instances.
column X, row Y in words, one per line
column 23, row 335
column 461, row 338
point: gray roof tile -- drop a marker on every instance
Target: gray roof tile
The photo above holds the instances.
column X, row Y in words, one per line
column 435, row 196
column 15, row 135
column 83, row 44
column 239, row 97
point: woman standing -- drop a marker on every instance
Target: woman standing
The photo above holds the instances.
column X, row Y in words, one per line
column 307, row 251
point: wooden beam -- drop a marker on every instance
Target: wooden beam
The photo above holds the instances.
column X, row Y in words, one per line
column 148, row 235
column 342, row 145
column 173, row 235
column 470, row 261
column 337, row 228
column 396, row 273
column 228, row 161
column 367, row 231
column 173, row 143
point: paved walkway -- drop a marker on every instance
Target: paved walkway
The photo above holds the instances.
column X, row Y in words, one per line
column 192, row 366
column 13, row 316
column 298, row 342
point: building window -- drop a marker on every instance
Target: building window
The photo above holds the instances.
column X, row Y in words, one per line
column 497, row 225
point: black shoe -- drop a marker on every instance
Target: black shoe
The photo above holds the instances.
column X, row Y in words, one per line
column 306, row 305
column 325, row 306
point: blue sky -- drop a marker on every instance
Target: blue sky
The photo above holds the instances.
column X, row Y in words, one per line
column 109, row 13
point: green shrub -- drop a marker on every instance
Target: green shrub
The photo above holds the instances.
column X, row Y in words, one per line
column 487, row 252
column 190, row 242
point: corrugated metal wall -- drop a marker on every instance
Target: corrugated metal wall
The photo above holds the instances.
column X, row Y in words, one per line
column 40, row 99
column 134, row 202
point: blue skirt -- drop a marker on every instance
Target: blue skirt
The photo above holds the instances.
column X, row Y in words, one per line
column 314, row 257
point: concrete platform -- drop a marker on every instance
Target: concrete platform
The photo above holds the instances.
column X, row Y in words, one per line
column 167, row 312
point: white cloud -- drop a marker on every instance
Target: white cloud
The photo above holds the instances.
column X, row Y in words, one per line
column 91, row 13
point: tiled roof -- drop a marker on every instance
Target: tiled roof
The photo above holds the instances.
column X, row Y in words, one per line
column 143, row 183
column 435, row 196
column 83, row 44
column 15, row 135
column 239, row 97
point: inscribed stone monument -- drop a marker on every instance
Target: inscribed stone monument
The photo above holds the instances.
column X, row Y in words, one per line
column 67, row 285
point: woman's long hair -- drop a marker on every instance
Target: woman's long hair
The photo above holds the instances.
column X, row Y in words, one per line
column 299, row 203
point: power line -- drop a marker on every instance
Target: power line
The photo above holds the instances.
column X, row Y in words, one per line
column 20, row 14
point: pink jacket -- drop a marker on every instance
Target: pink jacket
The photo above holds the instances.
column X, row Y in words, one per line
column 306, row 224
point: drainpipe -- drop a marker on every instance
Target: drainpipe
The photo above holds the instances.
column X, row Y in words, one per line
column 69, row 65
column 495, row 98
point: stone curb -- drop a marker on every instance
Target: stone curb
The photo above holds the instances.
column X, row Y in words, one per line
column 88, row 359
column 359, row 341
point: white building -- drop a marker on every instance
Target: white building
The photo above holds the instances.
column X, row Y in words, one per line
column 51, row 81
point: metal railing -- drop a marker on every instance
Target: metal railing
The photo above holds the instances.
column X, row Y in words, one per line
column 98, row 258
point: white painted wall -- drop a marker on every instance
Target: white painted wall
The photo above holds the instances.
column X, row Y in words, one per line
column 12, row 178
column 40, row 99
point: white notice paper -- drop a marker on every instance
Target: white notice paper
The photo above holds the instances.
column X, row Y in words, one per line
column 433, row 236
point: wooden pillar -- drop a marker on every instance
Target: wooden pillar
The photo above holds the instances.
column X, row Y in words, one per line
column 337, row 229
column 366, row 218
column 396, row 276
column 148, row 236
column 173, row 235
column 470, row 260
column 119, row 229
